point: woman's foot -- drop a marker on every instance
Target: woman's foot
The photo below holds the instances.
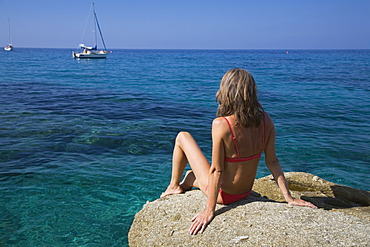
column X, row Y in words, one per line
column 172, row 190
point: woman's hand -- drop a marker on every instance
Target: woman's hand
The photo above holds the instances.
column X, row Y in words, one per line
column 302, row 203
column 200, row 222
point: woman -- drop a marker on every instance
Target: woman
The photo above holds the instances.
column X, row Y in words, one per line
column 240, row 133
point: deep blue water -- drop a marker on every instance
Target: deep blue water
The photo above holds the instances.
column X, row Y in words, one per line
column 85, row 143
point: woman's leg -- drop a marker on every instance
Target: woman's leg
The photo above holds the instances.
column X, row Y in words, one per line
column 189, row 181
column 186, row 150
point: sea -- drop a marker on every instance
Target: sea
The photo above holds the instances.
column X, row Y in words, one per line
column 84, row 144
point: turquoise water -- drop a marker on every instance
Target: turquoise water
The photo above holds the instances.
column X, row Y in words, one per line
column 84, row 144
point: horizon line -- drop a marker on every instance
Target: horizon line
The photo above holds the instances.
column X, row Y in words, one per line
column 283, row 49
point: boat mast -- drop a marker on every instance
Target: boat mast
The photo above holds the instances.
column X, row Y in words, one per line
column 10, row 37
column 97, row 24
column 96, row 38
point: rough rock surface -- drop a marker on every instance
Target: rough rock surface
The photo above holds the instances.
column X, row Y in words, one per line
column 343, row 217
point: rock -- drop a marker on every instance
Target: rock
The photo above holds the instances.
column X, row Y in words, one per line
column 322, row 193
column 343, row 217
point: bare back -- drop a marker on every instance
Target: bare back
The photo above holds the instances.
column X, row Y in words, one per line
column 242, row 148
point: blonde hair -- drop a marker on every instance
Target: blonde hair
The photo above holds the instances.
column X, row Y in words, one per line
column 238, row 96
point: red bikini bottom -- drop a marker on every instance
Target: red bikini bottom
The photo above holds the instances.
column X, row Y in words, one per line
column 229, row 198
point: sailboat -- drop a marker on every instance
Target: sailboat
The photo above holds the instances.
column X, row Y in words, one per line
column 92, row 51
column 9, row 47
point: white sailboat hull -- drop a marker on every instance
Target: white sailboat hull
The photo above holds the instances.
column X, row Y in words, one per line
column 90, row 54
column 8, row 48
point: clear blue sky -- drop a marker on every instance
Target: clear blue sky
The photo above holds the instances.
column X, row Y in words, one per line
column 191, row 24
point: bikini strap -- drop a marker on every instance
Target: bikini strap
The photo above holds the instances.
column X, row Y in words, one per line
column 232, row 136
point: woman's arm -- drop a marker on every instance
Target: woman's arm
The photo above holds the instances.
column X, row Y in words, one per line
column 273, row 165
column 201, row 220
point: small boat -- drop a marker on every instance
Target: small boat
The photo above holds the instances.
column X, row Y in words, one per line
column 9, row 47
column 92, row 51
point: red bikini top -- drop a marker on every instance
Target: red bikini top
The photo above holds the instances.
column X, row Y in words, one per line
column 238, row 158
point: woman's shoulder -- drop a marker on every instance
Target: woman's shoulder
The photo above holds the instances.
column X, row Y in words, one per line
column 266, row 116
column 220, row 124
column 268, row 121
